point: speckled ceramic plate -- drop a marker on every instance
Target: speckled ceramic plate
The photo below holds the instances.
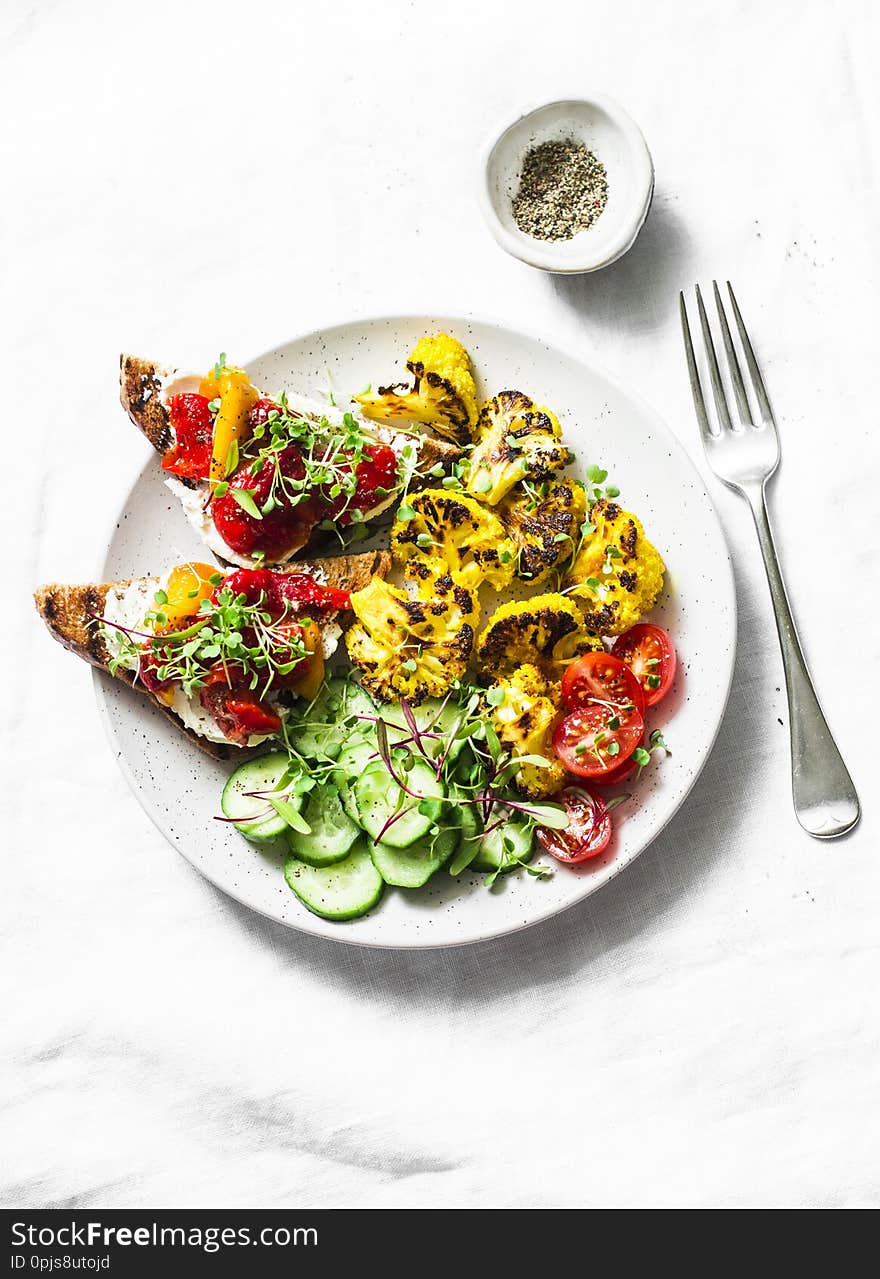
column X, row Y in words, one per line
column 180, row 788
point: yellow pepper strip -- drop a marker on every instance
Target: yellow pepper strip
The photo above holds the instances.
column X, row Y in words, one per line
column 237, row 398
column 188, row 585
column 309, row 684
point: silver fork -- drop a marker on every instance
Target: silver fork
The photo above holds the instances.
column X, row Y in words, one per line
column 744, row 454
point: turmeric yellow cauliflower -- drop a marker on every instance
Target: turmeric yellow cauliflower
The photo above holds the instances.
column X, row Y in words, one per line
column 617, row 574
column 546, row 631
column 411, row 648
column 514, row 440
column 451, row 533
column 545, row 525
column 524, row 720
column 443, row 394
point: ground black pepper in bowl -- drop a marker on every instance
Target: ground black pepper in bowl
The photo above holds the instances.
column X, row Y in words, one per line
column 563, row 189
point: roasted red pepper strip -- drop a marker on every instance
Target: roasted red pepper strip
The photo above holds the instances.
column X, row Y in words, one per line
column 193, row 426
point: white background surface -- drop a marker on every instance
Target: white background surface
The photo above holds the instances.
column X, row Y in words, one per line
column 182, row 179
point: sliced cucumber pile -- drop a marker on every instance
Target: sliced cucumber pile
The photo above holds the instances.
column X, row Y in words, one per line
column 246, row 800
column 357, row 827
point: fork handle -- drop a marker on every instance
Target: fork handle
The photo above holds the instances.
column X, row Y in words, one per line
column 825, row 799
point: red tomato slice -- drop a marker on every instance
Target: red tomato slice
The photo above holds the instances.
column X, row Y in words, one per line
column 604, row 678
column 622, row 773
column 596, row 738
column 649, row 653
column 588, row 830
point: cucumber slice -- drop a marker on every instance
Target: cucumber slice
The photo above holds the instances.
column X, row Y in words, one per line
column 442, row 718
column 342, row 891
column 448, row 722
column 469, row 821
column 253, row 816
column 412, row 867
column 356, row 756
column 379, row 797
column 496, row 849
column 316, row 730
column 333, row 831
column 468, row 843
column 356, row 701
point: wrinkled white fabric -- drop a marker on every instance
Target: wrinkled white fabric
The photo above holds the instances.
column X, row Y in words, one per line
column 706, row 1029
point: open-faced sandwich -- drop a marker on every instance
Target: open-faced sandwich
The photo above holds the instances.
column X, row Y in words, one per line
column 261, row 477
column 224, row 653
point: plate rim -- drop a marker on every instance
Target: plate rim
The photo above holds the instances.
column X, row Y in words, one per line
column 102, row 681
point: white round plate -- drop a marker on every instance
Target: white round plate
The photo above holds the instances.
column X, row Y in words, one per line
column 179, row 787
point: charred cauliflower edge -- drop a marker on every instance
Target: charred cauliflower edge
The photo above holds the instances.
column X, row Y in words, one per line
column 627, row 567
column 411, row 648
column 524, row 721
column 545, row 527
column 546, row 631
column 451, row 533
column 514, row 440
column 443, row 394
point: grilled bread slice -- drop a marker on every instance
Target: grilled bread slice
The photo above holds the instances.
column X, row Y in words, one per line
column 140, row 390
column 68, row 612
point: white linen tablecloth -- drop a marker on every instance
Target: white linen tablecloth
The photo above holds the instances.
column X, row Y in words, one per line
column 184, row 178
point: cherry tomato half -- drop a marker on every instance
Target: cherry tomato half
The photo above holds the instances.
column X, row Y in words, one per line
column 596, row 738
column 601, row 677
column 587, row 833
column 622, row 773
column 649, row 654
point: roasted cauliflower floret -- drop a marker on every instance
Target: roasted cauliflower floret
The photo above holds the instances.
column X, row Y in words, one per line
column 443, row 394
column 545, row 525
column 524, row 720
column 513, row 440
column 452, row 534
column 617, row 574
column 546, row 631
column 411, row 648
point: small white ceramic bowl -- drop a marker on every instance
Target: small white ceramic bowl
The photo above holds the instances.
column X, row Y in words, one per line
column 615, row 138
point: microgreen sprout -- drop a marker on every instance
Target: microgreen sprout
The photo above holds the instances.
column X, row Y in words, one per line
column 655, row 743
column 227, row 636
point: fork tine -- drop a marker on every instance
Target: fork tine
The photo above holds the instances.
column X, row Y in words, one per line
column 714, row 371
column 696, row 389
column 739, row 389
column 757, row 380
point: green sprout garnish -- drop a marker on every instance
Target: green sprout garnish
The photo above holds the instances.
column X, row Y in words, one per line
column 229, row 633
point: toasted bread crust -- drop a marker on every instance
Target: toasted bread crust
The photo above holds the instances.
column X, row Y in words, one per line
column 140, row 387
column 432, row 451
column 344, row 572
column 68, row 612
